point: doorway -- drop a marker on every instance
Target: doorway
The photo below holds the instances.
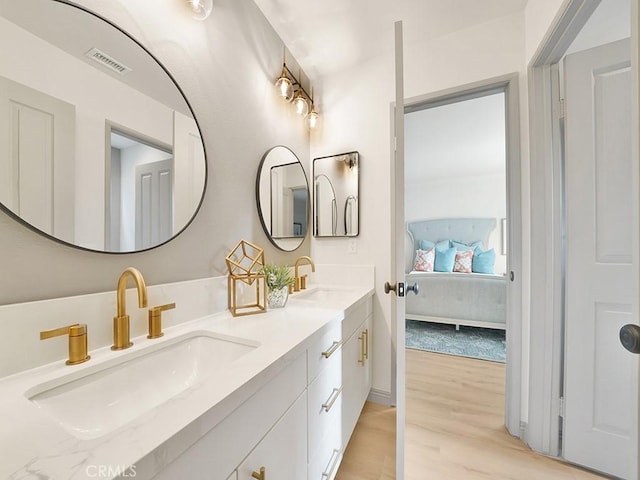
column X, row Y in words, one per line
column 508, row 85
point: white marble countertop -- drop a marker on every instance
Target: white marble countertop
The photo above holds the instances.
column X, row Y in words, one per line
column 34, row 445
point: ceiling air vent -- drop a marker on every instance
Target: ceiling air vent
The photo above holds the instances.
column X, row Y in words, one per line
column 107, row 61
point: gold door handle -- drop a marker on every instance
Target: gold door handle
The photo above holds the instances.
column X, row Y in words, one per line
column 332, row 399
column 332, row 349
column 259, row 476
column 77, row 341
column 155, row 319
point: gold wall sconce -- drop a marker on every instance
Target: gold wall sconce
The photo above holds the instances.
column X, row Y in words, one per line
column 290, row 89
column 247, row 287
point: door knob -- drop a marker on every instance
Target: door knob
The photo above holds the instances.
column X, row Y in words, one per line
column 415, row 288
column 630, row 337
column 392, row 287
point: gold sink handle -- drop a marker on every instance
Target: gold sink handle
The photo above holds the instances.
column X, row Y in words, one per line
column 77, row 341
column 155, row 319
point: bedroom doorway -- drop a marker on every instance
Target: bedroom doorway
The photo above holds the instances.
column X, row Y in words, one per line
column 504, row 236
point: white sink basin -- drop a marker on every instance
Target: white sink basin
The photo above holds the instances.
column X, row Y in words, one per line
column 323, row 295
column 110, row 396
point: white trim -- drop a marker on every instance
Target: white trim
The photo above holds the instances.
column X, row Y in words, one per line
column 379, row 396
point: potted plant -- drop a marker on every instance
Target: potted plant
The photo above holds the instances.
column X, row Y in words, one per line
column 278, row 279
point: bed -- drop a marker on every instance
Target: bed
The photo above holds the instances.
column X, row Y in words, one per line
column 471, row 299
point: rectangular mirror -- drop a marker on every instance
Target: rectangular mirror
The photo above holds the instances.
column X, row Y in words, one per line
column 335, row 195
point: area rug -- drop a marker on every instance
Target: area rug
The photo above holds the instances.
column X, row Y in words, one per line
column 474, row 342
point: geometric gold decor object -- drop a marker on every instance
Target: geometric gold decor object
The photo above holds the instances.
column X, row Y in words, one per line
column 247, row 294
column 245, row 261
column 247, row 288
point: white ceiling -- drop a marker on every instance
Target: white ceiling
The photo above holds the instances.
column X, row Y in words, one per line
column 329, row 35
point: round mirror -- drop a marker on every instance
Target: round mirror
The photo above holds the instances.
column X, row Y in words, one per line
column 282, row 194
column 99, row 149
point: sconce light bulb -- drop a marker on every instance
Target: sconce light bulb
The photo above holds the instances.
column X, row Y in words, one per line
column 201, row 8
column 285, row 88
column 313, row 118
column 301, row 105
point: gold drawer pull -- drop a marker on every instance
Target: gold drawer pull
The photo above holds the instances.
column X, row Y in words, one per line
column 334, row 346
column 332, row 399
column 259, row 476
column 333, row 462
column 366, row 344
column 361, row 355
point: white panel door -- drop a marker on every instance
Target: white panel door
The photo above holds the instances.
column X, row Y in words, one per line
column 154, row 203
column 37, row 137
column 600, row 376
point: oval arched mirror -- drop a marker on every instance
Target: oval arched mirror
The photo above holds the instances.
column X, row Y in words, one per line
column 282, row 195
column 99, row 149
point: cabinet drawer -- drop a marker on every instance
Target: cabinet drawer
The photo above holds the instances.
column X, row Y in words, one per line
column 327, row 348
column 326, row 400
column 323, row 465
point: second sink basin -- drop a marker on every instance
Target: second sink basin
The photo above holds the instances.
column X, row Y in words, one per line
column 322, row 295
column 102, row 400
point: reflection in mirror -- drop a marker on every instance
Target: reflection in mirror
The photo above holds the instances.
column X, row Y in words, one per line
column 335, row 194
column 282, row 195
column 60, row 173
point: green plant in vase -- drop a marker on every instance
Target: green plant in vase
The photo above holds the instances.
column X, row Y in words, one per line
column 278, row 279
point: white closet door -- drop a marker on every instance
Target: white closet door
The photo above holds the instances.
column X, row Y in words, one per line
column 37, row 138
column 600, row 376
column 154, row 203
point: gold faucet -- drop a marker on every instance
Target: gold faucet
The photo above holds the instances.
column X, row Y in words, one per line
column 301, row 282
column 77, row 341
column 121, row 333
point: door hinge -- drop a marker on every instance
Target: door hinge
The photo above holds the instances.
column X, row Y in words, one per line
column 561, row 407
column 562, row 108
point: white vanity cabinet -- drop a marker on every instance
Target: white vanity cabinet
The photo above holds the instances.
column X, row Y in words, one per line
column 339, row 383
column 299, row 423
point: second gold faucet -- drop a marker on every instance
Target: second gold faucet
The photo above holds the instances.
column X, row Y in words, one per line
column 121, row 328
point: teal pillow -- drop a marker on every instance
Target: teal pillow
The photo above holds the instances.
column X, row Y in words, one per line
column 463, row 247
column 427, row 244
column 483, row 262
column 445, row 258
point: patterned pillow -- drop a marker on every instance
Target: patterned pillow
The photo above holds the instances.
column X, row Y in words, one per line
column 424, row 260
column 463, row 262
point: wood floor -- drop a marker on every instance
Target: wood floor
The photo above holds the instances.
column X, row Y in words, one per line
column 454, row 429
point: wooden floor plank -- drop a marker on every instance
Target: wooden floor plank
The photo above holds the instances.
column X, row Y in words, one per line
column 454, row 429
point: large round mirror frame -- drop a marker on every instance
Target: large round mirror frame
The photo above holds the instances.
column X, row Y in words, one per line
column 284, row 216
column 197, row 203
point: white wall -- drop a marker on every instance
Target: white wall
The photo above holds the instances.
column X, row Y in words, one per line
column 357, row 116
column 226, row 67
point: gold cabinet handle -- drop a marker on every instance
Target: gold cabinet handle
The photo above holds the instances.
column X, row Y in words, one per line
column 259, row 476
column 77, row 341
column 361, row 356
column 333, row 463
column 155, row 319
column 366, row 344
column 332, row 349
column 332, row 399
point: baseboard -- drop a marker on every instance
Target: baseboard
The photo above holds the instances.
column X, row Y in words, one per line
column 379, row 396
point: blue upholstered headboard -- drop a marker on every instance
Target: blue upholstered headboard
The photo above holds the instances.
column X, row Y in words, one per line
column 465, row 230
